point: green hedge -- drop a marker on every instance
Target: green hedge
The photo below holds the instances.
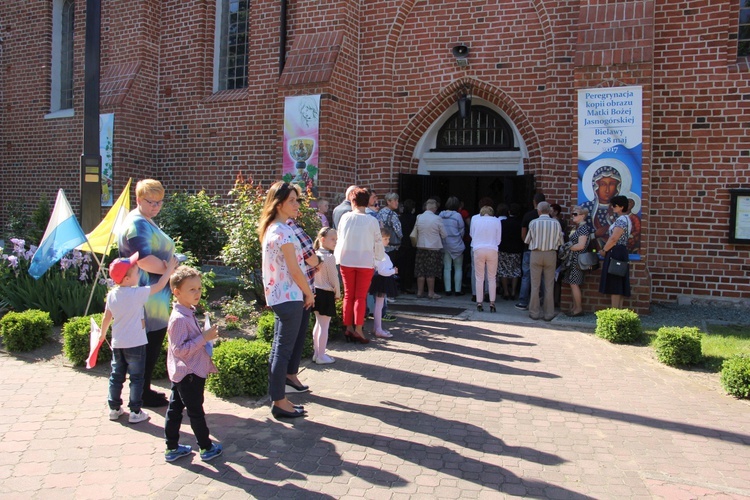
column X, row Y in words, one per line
column 26, row 330
column 264, row 331
column 242, row 368
column 678, row 346
column 76, row 332
column 160, row 369
column 735, row 376
column 619, row 326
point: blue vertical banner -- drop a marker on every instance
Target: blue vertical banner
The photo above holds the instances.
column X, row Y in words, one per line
column 610, row 157
column 106, row 136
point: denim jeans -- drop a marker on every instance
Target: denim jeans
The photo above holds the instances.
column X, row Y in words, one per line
column 187, row 394
column 458, row 272
column 525, row 294
column 286, row 330
column 299, row 345
column 131, row 360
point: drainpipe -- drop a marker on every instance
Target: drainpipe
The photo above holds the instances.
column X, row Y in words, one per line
column 282, row 37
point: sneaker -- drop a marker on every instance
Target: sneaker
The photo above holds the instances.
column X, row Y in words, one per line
column 522, row 307
column 383, row 334
column 370, row 316
column 211, row 453
column 182, row 450
column 325, row 359
column 390, row 300
column 388, row 317
column 137, row 417
column 115, row 414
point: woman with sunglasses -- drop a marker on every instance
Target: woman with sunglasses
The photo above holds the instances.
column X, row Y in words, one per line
column 155, row 248
column 286, row 289
column 579, row 239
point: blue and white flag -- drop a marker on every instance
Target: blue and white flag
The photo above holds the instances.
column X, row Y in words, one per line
column 63, row 234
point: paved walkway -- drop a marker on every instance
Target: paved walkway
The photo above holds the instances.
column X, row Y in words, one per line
column 447, row 409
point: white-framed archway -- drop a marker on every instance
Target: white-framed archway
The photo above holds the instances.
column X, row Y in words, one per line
column 473, row 161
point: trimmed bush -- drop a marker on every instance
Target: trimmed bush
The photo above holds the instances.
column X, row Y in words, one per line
column 25, row 331
column 160, row 369
column 264, row 330
column 735, row 376
column 76, row 333
column 678, row 346
column 309, row 349
column 619, row 326
column 336, row 329
column 242, row 368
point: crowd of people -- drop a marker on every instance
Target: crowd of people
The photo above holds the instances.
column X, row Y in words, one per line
column 374, row 251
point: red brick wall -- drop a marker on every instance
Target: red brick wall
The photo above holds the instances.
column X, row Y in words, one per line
column 394, row 76
column 701, row 147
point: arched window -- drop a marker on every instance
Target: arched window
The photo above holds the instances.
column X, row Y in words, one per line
column 482, row 130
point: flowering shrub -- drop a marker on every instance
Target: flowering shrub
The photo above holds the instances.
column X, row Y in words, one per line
column 63, row 291
column 232, row 322
column 195, row 219
column 239, row 307
column 243, row 250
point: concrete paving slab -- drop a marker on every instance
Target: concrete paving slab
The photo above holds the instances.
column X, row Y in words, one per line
column 482, row 406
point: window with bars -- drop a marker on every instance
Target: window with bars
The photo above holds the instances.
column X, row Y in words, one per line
column 232, row 19
column 743, row 33
column 482, row 130
column 66, row 55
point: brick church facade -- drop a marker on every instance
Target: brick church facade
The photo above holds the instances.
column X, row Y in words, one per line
column 389, row 79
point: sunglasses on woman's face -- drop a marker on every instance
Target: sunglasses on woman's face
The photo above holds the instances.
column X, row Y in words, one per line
column 575, row 214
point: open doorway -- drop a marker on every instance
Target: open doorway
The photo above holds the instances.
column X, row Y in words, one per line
column 469, row 188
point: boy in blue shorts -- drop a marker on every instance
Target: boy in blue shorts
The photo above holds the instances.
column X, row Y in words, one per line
column 124, row 310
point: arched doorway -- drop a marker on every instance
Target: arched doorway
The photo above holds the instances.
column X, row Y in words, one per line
column 477, row 155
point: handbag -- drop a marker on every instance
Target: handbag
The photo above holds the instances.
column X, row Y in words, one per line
column 413, row 236
column 617, row 267
column 587, row 261
column 395, row 238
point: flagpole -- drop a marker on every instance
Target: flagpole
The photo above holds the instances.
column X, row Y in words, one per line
column 99, row 271
column 123, row 205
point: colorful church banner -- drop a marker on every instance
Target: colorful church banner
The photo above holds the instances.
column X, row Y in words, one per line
column 610, row 156
column 106, row 136
column 301, row 120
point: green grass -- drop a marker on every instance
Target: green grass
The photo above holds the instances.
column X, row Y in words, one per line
column 719, row 344
column 722, row 342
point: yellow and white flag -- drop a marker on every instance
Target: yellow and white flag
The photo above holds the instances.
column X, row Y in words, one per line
column 103, row 235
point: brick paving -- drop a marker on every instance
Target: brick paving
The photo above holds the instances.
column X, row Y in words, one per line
column 450, row 408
